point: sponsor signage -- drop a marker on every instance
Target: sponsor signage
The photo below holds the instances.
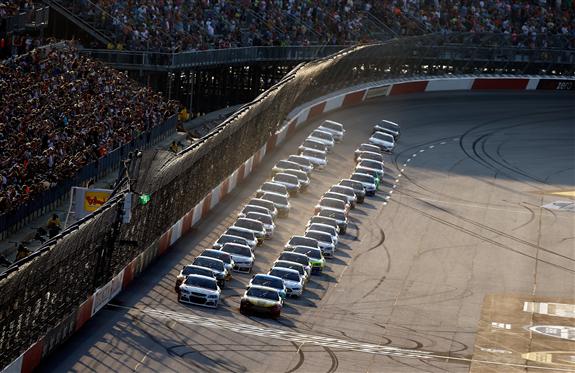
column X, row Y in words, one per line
column 107, row 292
column 559, row 358
column 86, row 201
column 94, row 200
column 377, row 92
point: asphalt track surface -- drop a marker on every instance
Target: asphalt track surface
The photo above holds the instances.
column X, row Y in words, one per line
column 407, row 284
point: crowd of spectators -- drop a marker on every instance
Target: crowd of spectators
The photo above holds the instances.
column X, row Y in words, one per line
column 524, row 21
column 182, row 25
column 59, row 111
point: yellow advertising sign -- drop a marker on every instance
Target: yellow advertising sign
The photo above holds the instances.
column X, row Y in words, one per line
column 95, row 200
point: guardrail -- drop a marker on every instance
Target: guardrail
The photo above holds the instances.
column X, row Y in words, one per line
column 93, row 257
column 453, row 47
column 185, row 60
column 46, row 201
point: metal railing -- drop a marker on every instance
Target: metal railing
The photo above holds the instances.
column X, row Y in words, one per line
column 166, row 61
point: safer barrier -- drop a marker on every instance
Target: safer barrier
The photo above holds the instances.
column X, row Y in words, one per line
column 183, row 189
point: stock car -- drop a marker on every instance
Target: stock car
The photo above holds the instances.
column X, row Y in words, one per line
column 271, row 282
column 242, row 256
column 200, row 290
column 290, row 256
column 292, row 280
column 325, row 241
column 338, row 216
column 318, row 158
column 243, row 233
column 326, row 203
column 224, row 257
column 310, row 144
column 280, row 201
column 369, row 155
column 323, row 220
column 336, row 129
column 347, row 191
column 388, row 126
column 295, row 241
column 252, row 208
column 272, row 187
column 293, row 265
column 302, row 178
column 369, row 182
column 366, row 148
column 324, row 137
column 357, row 187
column 316, row 259
column 373, row 166
column 324, row 228
column 284, row 165
column 266, row 220
column 251, row 225
column 225, row 238
column 216, row 266
column 383, row 140
column 191, row 270
column 341, row 197
column 265, row 204
column 261, row 300
column 291, row 182
column 304, row 163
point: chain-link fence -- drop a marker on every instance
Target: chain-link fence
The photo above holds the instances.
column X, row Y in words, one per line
column 42, row 290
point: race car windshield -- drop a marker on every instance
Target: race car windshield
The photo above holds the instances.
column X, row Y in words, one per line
column 323, row 220
column 285, row 164
column 294, row 258
column 383, row 136
column 311, row 153
column 371, row 164
column 342, row 190
column 276, row 188
column 292, row 276
column 319, row 236
column 286, row 178
column 189, row 270
column 297, row 173
column 237, row 232
column 224, row 257
column 332, row 203
column 234, row 239
column 264, row 218
column 298, row 159
column 208, row 263
column 267, row 281
column 302, row 241
column 291, row 266
column 362, row 178
column 237, row 250
column 281, row 200
column 263, row 293
column 314, row 254
column 200, row 282
column 261, row 203
column 321, row 135
column 318, row 227
column 254, row 225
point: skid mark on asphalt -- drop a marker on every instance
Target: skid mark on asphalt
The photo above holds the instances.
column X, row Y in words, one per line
column 317, row 340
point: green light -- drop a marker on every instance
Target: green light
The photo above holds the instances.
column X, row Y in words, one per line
column 144, row 199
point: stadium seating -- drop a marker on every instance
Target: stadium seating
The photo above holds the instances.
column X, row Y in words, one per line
column 60, row 111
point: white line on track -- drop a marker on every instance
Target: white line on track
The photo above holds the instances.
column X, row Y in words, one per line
column 421, row 150
column 442, row 143
column 431, row 146
column 293, row 336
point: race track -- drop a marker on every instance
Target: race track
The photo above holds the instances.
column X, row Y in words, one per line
column 434, row 280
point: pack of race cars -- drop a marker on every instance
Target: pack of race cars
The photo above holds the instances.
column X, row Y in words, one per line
column 200, row 282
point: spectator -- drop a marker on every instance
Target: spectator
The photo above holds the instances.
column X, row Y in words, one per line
column 22, row 252
column 174, row 147
column 4, row 262
column 53, row 226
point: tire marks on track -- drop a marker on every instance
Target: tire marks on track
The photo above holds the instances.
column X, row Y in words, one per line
column 300, row 360
column 334, row 360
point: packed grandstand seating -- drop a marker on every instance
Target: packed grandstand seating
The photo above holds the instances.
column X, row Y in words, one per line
column 59, row 111
column 186, row 25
